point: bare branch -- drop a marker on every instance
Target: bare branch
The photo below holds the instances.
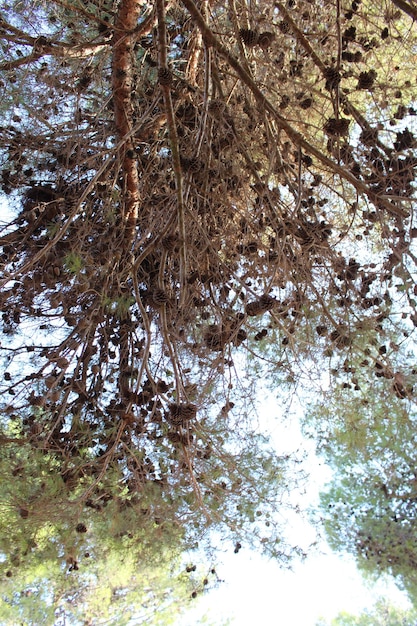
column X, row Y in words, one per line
column 407, row 8
column 165, row 80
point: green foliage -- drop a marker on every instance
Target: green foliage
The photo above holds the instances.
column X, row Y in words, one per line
column 93, row 560
column 382, row 614
column 105, row 544
column 73, row 263
column 366, row 432
column 118, row 307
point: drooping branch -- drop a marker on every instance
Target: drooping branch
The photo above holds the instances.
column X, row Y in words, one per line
column 303, row 41
column 300, row 36
column 165, row 80
column 44, row 250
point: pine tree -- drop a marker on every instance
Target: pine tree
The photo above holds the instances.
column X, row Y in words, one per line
column 365, row 430
column 383, row 614
column 189, row 184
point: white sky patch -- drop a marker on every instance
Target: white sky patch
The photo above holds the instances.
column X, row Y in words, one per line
column 257, row 591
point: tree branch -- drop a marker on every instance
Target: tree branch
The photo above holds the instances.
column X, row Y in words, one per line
column 293, row 134
column 407, row 8
column 44, row 47
column 164, row 74
column 122, row 80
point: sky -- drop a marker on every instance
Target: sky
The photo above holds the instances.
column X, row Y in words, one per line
column 256, row 590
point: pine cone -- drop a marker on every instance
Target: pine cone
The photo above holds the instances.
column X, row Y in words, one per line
column 178, row 438
column 180, row 414
column 170, row 242
column 159, row 297
column 268, row 302
column 306, row 103
column 162, row 386
column 257, row 307
column 164, row 76
column 284, row 27
column 249, row 37
column 217, row 108
column 332, row 77
column 405, row 139
column 215, row 338
column 366, row 80
column 369, row 137
column 337, row 127
column 81, row 528
column 265, row 40
column 240, row 337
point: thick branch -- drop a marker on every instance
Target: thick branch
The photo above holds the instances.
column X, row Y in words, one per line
column 64, row 51
column 45, row 47
column 407, row 8
column 10, row 65
column 122, row 78
column 42, row 46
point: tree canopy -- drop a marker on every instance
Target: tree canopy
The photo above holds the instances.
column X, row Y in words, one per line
column 383, row 614
column 367, row 435
column 200, row 194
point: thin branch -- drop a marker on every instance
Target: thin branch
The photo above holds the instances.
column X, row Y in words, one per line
column 42, row 46
column 80, row 51
column 11, row 65
column 300, row 36
column 61, row 231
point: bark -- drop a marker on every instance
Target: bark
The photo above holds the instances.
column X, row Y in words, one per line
column 122, row 84
column 122, row 81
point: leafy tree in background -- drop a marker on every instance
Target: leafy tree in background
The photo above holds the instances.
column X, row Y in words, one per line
column 367, row 435
column 192, row 186
column 88, row 563
column 89, row 549
column 383, row 614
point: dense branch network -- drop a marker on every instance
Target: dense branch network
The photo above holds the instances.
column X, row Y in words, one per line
column 192, row 182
